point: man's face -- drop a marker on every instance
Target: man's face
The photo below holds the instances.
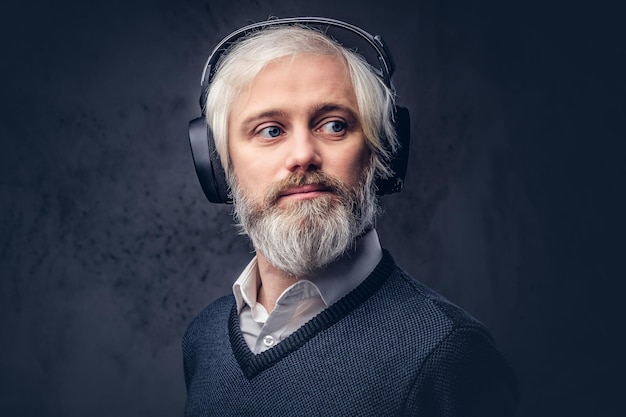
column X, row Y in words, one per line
column 299, row 116
column 303, row 181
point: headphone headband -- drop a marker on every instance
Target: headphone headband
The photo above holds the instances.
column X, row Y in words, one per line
column 386, row 64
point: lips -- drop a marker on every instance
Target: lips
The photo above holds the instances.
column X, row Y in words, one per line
column 302, row 186
column 305, row 189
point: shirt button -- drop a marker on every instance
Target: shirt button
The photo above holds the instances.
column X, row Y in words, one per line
column 268, row 341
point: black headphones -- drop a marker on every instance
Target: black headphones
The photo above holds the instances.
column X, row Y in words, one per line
column 208, row 165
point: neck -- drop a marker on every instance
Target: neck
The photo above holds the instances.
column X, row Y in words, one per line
column 273, row 282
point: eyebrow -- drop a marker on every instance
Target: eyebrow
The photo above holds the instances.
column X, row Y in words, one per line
column 269, row 114
column 322, row 108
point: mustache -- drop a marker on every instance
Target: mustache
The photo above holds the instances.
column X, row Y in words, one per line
column 294, row 179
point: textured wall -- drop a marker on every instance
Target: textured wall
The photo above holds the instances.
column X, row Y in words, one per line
column 108, row 248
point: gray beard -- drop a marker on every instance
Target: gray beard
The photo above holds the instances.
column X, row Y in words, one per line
column 304, row 236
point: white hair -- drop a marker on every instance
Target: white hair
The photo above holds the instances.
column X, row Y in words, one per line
column 241, row 64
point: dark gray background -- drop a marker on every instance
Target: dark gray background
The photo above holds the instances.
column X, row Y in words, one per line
column 513, row 206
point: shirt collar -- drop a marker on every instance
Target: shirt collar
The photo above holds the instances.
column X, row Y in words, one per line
column 247, row 285
column 333, row 282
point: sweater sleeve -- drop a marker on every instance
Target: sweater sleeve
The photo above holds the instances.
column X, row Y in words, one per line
column 464, row 376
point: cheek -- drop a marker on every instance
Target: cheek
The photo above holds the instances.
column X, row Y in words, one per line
column 355, row 166
column 252, row 179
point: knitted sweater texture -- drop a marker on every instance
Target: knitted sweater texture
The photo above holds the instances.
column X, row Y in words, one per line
column 390, row 347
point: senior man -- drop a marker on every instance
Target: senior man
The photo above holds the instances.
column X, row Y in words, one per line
column 301, row 134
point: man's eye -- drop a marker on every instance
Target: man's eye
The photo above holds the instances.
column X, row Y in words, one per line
column 335, row 126
column 270, row 132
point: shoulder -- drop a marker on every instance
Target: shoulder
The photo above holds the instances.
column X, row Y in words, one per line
column 461, row 366
column 213, row 318
column 414, row 316
column 206, row 334
column 432, row 317
column 425, row 307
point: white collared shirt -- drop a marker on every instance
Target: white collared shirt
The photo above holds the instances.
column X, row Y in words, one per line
column 303, row 300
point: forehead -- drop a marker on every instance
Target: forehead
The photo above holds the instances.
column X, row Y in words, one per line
column 298, row 80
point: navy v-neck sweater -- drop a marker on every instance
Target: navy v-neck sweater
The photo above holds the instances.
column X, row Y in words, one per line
column 390, row 347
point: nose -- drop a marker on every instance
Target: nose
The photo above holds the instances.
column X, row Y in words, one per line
column 303, row 152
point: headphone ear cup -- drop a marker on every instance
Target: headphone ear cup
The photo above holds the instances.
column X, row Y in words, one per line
column 400, row 159
column 208, row 165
